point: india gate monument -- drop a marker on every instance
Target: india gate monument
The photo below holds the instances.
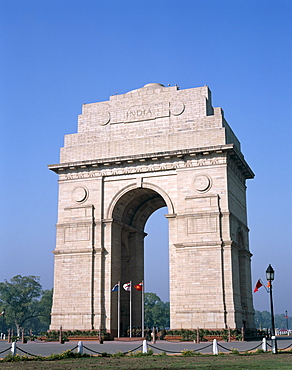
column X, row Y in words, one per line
column 152, row 147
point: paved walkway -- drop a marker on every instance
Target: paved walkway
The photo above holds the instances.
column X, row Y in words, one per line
column 93, row 347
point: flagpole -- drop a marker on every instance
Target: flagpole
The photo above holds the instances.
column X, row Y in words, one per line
column 142, row 308
column 119, row 303
column 130, row 309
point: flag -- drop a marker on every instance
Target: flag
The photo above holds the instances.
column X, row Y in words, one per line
column 115, row 288
column 269, row 284
column 127, row 287
column 2, row 313
column 258, row 285
column 139, row 287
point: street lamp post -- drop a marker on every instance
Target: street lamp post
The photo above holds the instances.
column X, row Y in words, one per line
column 270, row 274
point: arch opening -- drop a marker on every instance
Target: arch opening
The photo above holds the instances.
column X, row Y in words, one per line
column 129, row 217
column 156, row 255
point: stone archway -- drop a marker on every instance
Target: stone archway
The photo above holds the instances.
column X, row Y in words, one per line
column 129, row 215
column 152, row 147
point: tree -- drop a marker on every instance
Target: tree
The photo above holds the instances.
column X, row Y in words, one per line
column 156, row 311
column 42, row 322
column 46, row 306
column 263, row 320
column 281, row 321
column 21, row 299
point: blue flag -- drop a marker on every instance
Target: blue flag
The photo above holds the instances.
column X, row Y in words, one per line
column 115, row 288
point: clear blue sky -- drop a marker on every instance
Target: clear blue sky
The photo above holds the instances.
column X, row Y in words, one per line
column 58, row 54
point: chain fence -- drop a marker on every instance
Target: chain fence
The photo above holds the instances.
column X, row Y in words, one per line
column 163, row 350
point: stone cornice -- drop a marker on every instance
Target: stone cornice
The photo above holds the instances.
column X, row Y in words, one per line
column 103, row 163
column 73, row 251
column 206, row 244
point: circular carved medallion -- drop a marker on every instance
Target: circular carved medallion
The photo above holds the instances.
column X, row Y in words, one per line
column 104, row 118
column 202, row 183
column 80, row 194
column 177, row 108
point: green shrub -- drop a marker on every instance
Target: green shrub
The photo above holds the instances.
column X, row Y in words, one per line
column 260, row 350
column 188, row 334
column 187, row 353
column 141, row 354
column 14, row 358
column 54, row 335
column 234, row 351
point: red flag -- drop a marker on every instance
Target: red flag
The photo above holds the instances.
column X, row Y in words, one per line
column 258, row 285
column 139, row 287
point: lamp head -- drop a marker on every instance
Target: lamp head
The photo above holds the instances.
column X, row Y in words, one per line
column 270, row 273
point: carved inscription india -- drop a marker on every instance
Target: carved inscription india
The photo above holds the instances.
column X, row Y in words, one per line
column 142, row 113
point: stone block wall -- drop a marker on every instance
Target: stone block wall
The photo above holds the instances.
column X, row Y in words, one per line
column 152, row 147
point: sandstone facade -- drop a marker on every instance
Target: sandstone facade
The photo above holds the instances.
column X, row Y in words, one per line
column 152, row 147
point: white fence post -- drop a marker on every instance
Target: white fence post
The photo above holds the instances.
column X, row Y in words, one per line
column 13, row 348
column 215, row 347
column 264, row 344
column 144, row 350
column 274, row 344
column 80, row 348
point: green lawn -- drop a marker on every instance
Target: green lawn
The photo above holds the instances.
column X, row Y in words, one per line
column 244, row 362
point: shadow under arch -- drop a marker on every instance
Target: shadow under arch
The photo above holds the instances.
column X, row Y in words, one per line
column 129, row 212
column 243, row 273
column 133, row 186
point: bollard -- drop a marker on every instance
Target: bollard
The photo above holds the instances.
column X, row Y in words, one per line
column 264, row 344
column 229, row 334
column 100, row 336
column 215, row 347
column 242, row 334
column 274, row 344
column 13, row 348
column 61, row 335
column 144, row 350
column 153, row 335
column 80, row 348
column 22, row 337
column 198, row 335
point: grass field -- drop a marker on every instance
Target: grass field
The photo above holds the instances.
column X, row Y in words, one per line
column 163, row 362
